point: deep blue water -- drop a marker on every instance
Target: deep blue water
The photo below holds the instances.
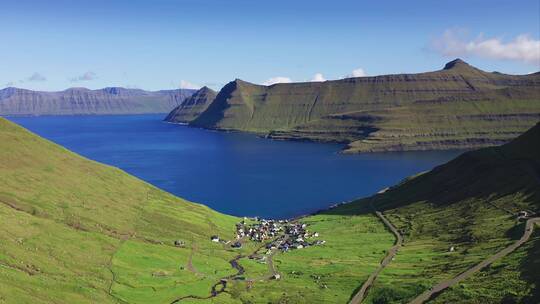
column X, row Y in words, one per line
column 235, row 173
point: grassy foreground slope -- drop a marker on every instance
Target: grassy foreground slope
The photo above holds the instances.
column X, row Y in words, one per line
column 72, row 230
column 459, row 106
column 469, row 204
column 76, row 231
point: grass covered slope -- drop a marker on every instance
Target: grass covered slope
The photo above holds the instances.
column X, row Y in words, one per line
column 73, row 230
column 470, row 204
column 459, row 106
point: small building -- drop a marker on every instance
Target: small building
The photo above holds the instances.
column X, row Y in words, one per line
column 276, row 276
column 236, row 245
column 214, row 238
column 522, row 215
column 179, row 243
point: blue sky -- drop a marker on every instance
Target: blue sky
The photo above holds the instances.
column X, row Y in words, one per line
column 161, row 44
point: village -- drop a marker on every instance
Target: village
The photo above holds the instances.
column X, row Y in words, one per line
column 283, row 235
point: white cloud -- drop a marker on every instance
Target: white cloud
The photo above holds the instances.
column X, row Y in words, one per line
column 36, row 77
column 356, row 73
column 522, row 48
column 85, row 77
column 184, row 84
column 278, row 79
column 318, row 77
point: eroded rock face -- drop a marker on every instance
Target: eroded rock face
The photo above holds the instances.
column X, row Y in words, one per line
column 81, row 101
column 450, row 108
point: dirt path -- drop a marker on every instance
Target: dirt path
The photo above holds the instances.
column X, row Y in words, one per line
column 437, row 289
column 270, row 262
column 189, row 264
column 360, row 295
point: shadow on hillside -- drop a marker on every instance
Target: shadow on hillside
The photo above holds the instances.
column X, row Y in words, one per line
column 483, row 175
column 530, row 270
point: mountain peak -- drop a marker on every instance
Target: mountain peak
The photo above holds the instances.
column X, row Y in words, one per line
column 204, row 91
column 456, row 63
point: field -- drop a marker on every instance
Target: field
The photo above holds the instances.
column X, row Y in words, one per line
column 329, row 273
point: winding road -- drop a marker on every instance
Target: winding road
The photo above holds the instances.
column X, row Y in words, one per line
column 437, row 289
column 360, row 295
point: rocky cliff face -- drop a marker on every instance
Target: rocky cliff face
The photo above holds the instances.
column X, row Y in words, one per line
column 192, row 106
column 459, row 106
column 82, row 101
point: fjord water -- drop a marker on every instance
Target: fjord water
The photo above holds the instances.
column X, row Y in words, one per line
column 234, row 173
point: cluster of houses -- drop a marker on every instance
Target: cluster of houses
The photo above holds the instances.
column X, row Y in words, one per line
column 261, row 230
column 283, row 235
column 297, row 237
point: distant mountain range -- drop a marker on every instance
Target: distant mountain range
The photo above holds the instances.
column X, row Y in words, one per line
column 82, row 101
column 459, row 106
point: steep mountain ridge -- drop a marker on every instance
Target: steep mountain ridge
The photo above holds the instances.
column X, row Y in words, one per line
column 82, row 101
column 459, row 106
column 192, row 106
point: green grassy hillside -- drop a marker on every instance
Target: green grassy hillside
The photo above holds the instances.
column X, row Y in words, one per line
column 470, row 204
column 459, row 106
column 75, row 231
